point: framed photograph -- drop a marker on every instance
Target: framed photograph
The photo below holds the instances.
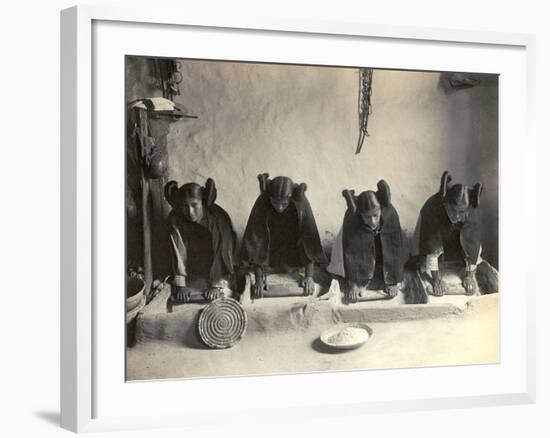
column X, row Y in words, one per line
column 251, row 206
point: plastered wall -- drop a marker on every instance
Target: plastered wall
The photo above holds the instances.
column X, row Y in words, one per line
column 302, row 122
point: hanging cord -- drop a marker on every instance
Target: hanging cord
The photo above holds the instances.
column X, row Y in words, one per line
column 364, row 104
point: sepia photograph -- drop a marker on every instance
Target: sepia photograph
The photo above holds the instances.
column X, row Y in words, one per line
column 289, row 218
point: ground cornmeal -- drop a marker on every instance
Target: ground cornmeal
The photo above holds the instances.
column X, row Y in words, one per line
column 349, row 335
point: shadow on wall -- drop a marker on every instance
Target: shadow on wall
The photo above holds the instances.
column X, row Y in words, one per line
column 302, row 122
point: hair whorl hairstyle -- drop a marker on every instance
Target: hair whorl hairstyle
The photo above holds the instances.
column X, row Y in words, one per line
column 349, row 195
column 207, row 194
column 475, row 195
column 445, row 182
column 263, row 179
column 280, row 187
column 383, row 193
column 170, row 192
column 367, row 201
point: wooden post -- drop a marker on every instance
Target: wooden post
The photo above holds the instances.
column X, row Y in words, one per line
column 145, row 205
column 147, row 258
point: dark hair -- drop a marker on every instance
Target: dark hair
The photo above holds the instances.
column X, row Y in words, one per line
column 190, row 190
column 368, row 201
column 174, row 196
column 458, row 195
column 280, row 187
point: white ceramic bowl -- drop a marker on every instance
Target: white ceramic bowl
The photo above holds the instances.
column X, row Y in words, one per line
column 329, row 333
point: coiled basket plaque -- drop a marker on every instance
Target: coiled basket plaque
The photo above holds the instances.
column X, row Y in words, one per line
column 222, row 323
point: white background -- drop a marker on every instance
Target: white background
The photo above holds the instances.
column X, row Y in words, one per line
column 30, row 221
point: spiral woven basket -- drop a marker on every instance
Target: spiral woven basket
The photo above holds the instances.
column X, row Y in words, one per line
column 222, row 323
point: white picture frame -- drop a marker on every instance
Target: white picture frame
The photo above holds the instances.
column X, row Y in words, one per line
column 83, row 366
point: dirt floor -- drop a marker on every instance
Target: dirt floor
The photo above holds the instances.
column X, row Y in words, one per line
column 471, row 337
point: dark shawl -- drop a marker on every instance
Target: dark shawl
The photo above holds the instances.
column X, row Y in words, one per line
column 224, row 239
column 358, row 242
column 435, row 227
column 255, row 245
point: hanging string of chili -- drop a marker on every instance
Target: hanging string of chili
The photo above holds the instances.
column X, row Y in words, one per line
column 364, row 104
